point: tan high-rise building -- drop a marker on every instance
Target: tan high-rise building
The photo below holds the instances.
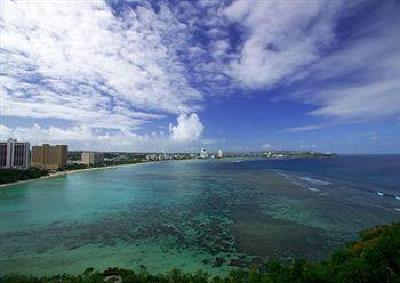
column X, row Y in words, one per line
column 92, row 158
column 50, row 157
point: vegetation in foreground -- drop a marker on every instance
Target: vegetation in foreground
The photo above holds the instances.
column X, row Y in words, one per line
column 374, row 257
column 8, row 176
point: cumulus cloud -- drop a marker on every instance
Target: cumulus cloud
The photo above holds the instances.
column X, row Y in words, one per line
column 85, row 138
column 80, row 63
column 187, row 129
column 186, row 132
column 107, row 72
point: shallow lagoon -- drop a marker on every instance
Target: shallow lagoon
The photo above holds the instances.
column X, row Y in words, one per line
column 213, row 215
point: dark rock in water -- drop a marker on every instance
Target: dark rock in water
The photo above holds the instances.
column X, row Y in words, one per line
column 287, row 260
column 238, row 262
column 218, row 262
column 109, row 271
column 257, row 262
column 213, row 252
column 113, row 279
column 57, row 223
column 72, row 246
column 41, row 251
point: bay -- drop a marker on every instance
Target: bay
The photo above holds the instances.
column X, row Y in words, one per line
column 212, row 215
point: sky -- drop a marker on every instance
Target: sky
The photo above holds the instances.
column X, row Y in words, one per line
column 241, row 75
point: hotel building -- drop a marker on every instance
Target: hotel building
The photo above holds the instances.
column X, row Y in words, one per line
column 92, row 158
column 49, row 157
column 15, row 154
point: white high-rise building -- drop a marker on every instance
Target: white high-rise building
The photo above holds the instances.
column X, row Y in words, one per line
column 220, row 154
column 203, row 153
column 15, row 154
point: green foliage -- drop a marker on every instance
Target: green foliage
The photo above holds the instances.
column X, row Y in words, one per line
column 375, row 257
column 75, row 166
column 12, row 175
column 80, row 166
column 128, row 161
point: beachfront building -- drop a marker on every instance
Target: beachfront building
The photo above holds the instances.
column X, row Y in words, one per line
column 49, row 157
column 203, row 153
column 92, row 158
column 167, row 156
column 152, row 157
column 15, row 154
column 220, row 154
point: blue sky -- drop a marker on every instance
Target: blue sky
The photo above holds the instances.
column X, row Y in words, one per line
column 238, row 75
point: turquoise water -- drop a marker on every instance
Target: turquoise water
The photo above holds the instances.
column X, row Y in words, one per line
column 210, row 215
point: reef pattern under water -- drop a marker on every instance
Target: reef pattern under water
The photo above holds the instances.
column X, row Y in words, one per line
column 209, row 215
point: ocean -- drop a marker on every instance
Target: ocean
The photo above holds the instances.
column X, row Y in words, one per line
column 214, row 215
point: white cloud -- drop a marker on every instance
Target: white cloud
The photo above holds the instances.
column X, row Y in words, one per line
column 208, row 141
column 358, row 82
column 107, row 75
column 183, row 137
column 306, row 128
column 266, row 146
column 367, row 102
column 297, row 44
column 84, row 138
column 281, row 37
column 77, row 62
column 187, row 129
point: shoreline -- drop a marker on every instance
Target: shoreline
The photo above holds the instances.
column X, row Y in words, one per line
column 64, row 173
column 67, row 172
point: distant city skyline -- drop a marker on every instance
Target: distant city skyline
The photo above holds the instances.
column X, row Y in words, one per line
column 165, row 76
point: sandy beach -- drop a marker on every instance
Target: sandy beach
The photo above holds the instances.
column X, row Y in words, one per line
column 63, row 173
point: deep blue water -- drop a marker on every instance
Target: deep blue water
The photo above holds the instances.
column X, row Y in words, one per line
column 377, row 173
